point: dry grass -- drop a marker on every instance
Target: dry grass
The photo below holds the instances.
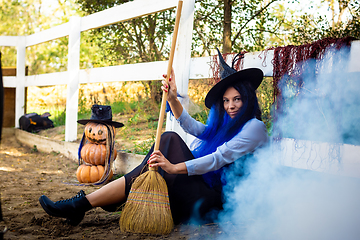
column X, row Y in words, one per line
column 147, row 209
column 103, row 93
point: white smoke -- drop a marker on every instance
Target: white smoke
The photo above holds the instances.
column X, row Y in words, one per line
column 278, row 202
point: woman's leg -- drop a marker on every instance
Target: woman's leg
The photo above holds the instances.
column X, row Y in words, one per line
column 114, row 192
column 73, row 209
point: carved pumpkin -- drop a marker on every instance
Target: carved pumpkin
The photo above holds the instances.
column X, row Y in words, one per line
column 96, row 132
column 90, row 173
column 95, row 153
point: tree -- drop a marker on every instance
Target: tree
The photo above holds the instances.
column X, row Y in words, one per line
column 241, row 25
column 26, row 17
column 342, row 26
column 15, row 20
column 227, row 44
column 344, row 21
column 143, row 39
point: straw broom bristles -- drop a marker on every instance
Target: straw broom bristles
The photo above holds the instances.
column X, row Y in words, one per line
column 147, row 209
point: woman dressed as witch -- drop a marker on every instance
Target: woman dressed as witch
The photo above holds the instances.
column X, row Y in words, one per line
column 195, row 178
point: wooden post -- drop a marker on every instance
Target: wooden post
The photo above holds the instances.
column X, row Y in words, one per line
column 10, row 98
column 182, row 59
column 72, row 99
column 20, row 81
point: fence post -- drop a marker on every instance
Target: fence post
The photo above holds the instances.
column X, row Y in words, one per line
column 72, row 98
column 182, row 59
column 20, row 80
column 354, row 61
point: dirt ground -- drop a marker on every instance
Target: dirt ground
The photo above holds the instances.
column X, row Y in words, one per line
column 26, row 174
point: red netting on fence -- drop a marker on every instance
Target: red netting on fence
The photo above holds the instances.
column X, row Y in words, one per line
column 291, row 62
column 286, row 58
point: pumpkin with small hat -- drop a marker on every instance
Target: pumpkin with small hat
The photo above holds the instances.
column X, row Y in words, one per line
column 96, row 149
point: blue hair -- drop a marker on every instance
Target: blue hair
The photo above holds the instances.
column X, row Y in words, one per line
column 220, row 128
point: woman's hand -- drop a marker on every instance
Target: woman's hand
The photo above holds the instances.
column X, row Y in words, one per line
column 170, row 87
column 157, row 159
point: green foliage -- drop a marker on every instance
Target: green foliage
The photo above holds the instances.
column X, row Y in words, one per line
column 58, row 117
column 82, row 101
column 8, row 56
column 34, row 149
column 316, row 24
column 117, row 176
column 26, row 17
column 255, row 25
column 120, row 107
column 47, row 57
column 55, row 153
column 151, row 118
column 265, row 95
column 202, row 115
column 152, row 125
column 142, row 39
column 250, row 22
column 134, row 120
column 143, row 147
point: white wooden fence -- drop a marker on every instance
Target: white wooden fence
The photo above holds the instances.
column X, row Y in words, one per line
column 74, row 76
column 185, row 67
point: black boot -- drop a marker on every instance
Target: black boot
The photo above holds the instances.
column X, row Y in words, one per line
column 73, row 209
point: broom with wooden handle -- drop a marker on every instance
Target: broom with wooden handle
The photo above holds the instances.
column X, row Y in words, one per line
column 147, row 209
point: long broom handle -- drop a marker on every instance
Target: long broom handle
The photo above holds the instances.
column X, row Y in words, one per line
column 164, row 96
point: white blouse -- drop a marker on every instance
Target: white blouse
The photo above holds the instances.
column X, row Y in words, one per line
column 252, row 135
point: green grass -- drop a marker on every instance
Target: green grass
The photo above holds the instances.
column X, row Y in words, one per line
column 122, row 107
column 142, row 148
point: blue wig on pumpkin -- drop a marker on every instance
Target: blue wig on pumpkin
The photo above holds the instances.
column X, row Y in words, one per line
column 220, row 128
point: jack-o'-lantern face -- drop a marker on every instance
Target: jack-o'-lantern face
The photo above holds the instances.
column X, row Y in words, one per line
column 96, row 132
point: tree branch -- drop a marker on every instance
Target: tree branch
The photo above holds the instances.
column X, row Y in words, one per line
column 252, row 17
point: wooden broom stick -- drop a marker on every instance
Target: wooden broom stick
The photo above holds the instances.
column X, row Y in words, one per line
column 147, row 209
column 171, row 59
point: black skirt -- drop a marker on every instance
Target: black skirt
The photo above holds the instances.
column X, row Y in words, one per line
column 190, row 197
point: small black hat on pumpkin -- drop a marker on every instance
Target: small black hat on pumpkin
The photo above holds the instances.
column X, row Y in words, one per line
column 101, row 114
column 229, row 76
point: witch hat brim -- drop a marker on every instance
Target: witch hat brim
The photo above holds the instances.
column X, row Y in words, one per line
column 101, row 114
column 113, row 123
column 253, row 75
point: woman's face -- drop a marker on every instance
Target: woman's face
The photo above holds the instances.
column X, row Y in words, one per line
column 232, row 101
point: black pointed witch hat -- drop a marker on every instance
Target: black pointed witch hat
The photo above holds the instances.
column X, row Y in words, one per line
column 229, row 76
column 101, row 114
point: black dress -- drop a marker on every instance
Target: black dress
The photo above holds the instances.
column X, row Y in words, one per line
column 190, row 197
